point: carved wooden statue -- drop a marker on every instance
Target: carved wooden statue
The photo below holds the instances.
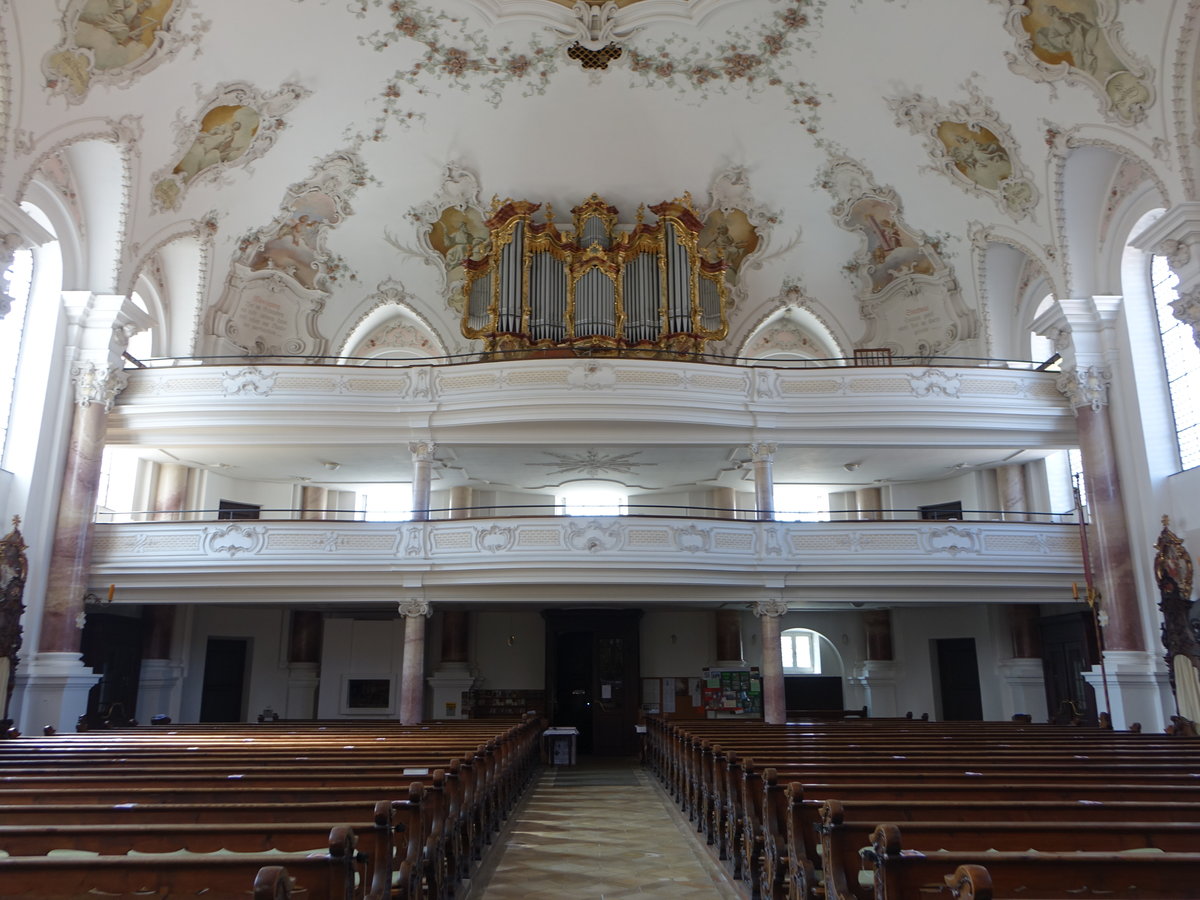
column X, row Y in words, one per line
column 13, row 566
column 1180, row 631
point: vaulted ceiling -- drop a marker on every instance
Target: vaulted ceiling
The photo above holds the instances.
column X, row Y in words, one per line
column 198, row 146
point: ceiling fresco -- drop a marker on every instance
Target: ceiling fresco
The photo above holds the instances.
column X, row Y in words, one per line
column 858, row 160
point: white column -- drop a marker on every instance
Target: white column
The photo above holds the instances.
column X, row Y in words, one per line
column 764, row 480
column 422, row 458
column 412, row 672
column 769, row 613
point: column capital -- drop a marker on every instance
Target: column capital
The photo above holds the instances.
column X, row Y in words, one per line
column 1085, row 387
column 414, row 608
column 772, row 608
column 761, row 451
column 1187, row 310
column 422, row 451
column 94, row 384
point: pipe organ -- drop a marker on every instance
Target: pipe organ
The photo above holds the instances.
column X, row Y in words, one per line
column 596, row 285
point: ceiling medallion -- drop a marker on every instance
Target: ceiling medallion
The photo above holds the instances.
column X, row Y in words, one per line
column 591, row 463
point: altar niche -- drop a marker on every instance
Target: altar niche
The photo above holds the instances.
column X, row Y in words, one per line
column 649, row 289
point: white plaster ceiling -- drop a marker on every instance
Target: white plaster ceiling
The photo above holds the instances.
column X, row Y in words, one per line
column 631, row 137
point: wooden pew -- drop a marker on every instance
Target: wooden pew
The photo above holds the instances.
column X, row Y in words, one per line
column 842, row 840
column 1045, row 876
column 329, row 875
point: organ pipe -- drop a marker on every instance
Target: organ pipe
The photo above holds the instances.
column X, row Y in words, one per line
column 594, row 286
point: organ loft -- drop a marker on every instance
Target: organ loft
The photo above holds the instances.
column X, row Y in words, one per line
column 540, row 288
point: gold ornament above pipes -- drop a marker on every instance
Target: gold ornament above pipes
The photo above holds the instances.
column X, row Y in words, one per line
column 594, row 287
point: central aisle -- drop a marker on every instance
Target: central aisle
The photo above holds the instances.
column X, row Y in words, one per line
column 602, row 829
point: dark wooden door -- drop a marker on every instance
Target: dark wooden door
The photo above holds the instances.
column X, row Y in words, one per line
column 958, row 678
column 222, row 696
column 1068, row 649
column 593, row 676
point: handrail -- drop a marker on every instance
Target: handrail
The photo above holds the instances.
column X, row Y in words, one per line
column 627, row 511
column 276, row 359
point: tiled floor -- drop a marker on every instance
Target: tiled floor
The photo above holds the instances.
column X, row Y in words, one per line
column 602, row 829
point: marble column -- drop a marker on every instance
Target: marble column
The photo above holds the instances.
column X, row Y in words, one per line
column 762, row 456
column 100, row 326
column 843, row 506
column 1108, row 542
column 313, row 502
column 724, row 503
column 160, row 679
column 461, row 501
column 769, row 613
column 170, row 492
column 730, row 654
column 453, row 675
column 870, row 503
column 304, row 664
column 1010, row 488
column 412, row 672
column 422, row 458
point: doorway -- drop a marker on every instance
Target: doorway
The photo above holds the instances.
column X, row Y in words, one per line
column 593, row 665
column 1069, row 647
column 111, row 646
column 223, row 693
column 958, row 680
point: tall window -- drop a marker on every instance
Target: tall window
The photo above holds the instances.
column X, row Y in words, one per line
column 1182, row 358
column 19, row 277
column 801, row 503
column 801, row 652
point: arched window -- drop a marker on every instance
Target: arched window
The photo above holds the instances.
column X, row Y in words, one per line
column 19, row 279
column 801, row 651
column 1182, row 359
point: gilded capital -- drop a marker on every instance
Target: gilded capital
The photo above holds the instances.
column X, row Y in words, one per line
column 414, row 608
column 772, row 608
column 1085, row 387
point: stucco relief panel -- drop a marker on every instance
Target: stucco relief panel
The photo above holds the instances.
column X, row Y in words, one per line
column 908, row 295
column 1079, row 41
column 283, row 272
column 112, row 42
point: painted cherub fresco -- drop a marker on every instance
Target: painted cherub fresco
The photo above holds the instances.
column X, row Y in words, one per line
column 294, row 248
column 459, row 235
column 118, row 32
column 976, row 153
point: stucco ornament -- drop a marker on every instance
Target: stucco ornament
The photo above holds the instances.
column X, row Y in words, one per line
column 449, row 229
column 112, row 42
column 1079, row 42
column 1187, row 310
column 236, row 123
column 283, row 273
column 1085, row 387
column 969, row 144
column 908, row 295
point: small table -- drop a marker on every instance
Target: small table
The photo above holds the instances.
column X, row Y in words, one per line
column 558, row 746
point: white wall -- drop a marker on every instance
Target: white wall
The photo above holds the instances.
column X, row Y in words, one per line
column 269, row 496
column 266, row 630
column 509, row 649
column 360, row 648
column 970, row 489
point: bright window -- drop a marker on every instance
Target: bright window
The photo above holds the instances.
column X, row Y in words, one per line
column 1182, row 359
column 801, row 503
column 19, row 278
column 593, row 500
column 391, row 502
column 801, row 652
